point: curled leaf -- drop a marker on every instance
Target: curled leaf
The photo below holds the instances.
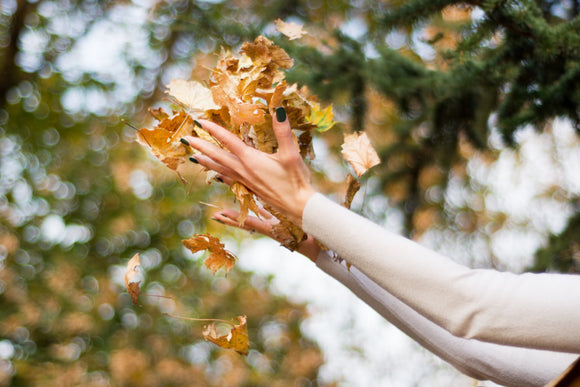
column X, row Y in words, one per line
column 353, row 185
column 359, row 152
column 191, row 95
column 130, row 276
column 218, row 256
column 291, row 30
column 247, row 202
column 237, row 339
column 286, row 232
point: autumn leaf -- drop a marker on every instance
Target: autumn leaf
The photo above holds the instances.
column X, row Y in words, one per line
column 353, row 185
column 291, row 30
column 322, row 118
column 359, row 152
column 218, row 256
column 192, row 95
column 237, row 339
column 247, row 202
column 130, row 276
column 286, row 232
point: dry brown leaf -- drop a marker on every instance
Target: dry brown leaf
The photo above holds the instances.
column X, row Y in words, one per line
column 130, row 275
column 237, row 339
column 247, row 202
column 353, row 185
column 359, row 152
column 218, row 256
column 291, row 30
column 286, row 232
column 163, row 140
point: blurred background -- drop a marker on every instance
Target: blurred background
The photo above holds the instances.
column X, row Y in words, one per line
column 473, row 107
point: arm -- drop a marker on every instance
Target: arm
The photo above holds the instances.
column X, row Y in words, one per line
column 505, row 365
column 539, row 311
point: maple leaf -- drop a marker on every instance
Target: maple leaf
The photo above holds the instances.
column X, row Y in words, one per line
column 237, row 339
column 353, row 185
column 130, row 275
column 247, row 202
column 359, row 152
column 291, row 30
column 218, row 256
column 322, row 118
column 191, row 95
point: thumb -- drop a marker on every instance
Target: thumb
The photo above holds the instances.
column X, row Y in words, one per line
column 283, row 132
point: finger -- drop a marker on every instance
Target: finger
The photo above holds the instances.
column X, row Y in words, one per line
column 229, row 140
column 208, row 163
column 212, row 151
column 252, row 223
column 283, row 133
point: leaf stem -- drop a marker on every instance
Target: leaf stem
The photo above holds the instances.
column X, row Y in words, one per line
column 156, row 295
column 200, row 319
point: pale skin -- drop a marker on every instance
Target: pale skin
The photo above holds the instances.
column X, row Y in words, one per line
column 281, row 180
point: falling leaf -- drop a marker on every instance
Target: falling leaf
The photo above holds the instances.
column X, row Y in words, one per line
column 359, row 152
column 218, row 256
column 130, row 275
column 353, row 185
column 291, row 30
column 192, row 95
column 247, row 202
column 323, row 119
column 237, row 339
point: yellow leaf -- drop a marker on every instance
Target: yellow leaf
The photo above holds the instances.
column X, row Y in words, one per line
column 321, row 118
column 237, row 339
column 218, row 256
column 130, row 276
column 291, row 30
column 359, row 152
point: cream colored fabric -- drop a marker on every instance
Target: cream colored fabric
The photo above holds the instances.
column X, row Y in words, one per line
column 536, row 311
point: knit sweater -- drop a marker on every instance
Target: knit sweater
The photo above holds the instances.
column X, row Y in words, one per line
column 512, row 329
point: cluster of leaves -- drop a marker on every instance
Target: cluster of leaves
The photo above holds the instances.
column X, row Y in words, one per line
column 242, row 93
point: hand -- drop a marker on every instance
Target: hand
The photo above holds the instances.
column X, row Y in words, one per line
column 282, row 180
column 309, row 248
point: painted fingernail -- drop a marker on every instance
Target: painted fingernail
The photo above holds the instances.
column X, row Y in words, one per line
column 193, row 160
column 184, row 141
column 219, row 179
column 281, row 114
column 217, row 220
column 197, row 123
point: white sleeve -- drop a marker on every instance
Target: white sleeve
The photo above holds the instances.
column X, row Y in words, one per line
column 511, row 366
column 540, row 311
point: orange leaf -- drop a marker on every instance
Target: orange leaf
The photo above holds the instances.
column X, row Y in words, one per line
column 130, row 275
column 247, row 202
column 237, row 339
column 359, row 152
column 218, row 256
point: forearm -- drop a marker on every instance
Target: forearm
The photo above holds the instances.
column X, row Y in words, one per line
column 505, row 365
column 528, row 310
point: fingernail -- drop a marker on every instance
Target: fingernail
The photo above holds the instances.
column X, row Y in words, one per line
column 219, row 179
column 281, row 114
column 197, row 123
column 217, row 220
column 193, row 160
column 224, row 215
column 184, row 141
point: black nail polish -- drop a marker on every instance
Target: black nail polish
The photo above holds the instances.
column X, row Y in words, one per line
column 219, row 179
column 217, row 220
column 184, row 141
column 193, row 160
column 281, row 114
column 197, row 123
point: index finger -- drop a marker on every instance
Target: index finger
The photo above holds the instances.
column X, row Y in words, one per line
column 229, row 140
